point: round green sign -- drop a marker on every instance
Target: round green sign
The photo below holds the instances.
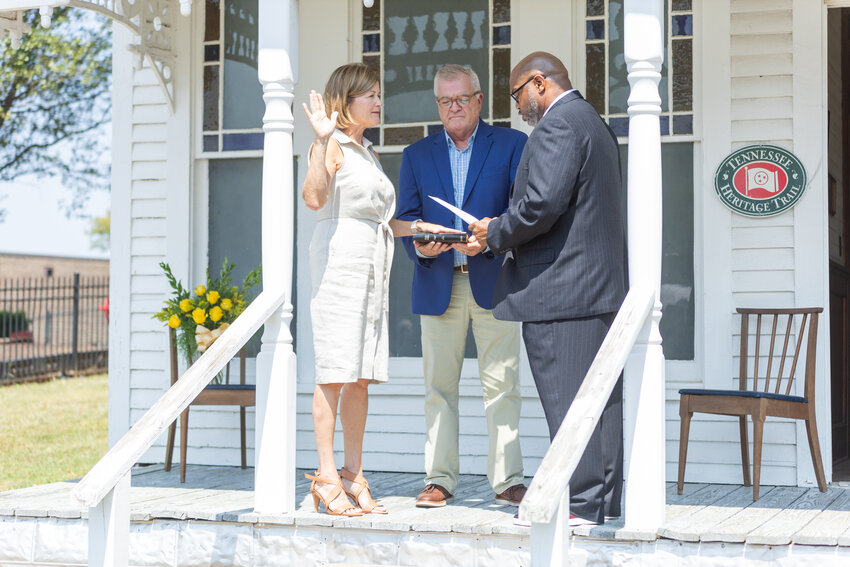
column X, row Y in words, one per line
column 760, row 181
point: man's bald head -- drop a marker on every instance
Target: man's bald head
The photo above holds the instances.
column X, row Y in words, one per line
column 536, row 82
column 544, row 64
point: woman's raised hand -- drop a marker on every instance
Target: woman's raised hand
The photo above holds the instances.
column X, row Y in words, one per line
column 323, row 126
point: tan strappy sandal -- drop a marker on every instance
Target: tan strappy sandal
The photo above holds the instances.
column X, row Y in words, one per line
column 368, row 507
column 343, row 509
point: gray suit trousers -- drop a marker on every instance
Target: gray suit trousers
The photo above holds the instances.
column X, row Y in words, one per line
column 560, row 353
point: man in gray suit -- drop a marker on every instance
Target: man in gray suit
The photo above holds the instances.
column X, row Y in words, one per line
column 564, row 271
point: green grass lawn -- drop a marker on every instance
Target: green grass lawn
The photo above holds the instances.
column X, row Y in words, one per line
column 51, row 431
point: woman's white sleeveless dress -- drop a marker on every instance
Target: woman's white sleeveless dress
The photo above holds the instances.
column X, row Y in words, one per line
column 350, row 258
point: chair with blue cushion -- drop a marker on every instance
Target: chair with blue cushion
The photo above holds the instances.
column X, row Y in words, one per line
column 764, row 395
column 227, row 394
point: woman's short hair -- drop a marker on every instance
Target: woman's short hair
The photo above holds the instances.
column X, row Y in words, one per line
column 451, row 71
column 346, row 82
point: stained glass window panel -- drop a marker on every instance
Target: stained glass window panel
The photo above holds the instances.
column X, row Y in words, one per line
column 683, row 124
column 682, row 25
column 596, row 29
column 682, row 75
column 419, row 37
column 501, row 11
column 373, row 135
column 595, row 58
column 372, row 17
column 212, row 19
column 373, row 62
column 595, row 7
column 371, row 42
column 618, row 84
column 247, row 141
column 211, row 97
column 501, row 83
column 620, row 125
column 405, row 135
column 211, row 52
column 502, row 35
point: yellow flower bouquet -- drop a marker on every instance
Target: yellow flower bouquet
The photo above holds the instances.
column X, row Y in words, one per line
column 200, row 316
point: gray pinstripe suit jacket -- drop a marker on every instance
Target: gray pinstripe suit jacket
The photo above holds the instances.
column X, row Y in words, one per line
column 563, row 231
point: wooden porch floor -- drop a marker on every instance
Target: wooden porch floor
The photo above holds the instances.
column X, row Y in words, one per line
column 704, row 513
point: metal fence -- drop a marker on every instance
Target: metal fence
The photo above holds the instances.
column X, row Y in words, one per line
column 53, row 326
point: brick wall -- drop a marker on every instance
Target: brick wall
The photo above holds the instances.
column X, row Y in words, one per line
column 34, row 266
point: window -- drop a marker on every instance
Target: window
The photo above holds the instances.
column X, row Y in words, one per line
column 607, row 88
column 233, row 97
column 408, row 40
column 232, row 135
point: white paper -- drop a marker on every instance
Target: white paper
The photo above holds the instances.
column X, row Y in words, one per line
column 459, row 212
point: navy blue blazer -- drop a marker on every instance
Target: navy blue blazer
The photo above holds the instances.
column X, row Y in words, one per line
column 425, row 170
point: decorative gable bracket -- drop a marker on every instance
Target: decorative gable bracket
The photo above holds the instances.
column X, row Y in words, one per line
column 151, row 21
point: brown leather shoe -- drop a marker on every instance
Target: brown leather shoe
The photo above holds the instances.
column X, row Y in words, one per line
column 433, row 496
column 512, row 495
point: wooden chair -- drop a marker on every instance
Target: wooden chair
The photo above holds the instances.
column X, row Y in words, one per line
column 227, row 394
column 760, row 402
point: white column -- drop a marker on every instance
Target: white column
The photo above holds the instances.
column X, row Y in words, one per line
column 109, row 527
column 550, row 542
column 644, row 372
column 274, row 485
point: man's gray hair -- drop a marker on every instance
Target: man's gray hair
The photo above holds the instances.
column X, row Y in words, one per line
column 452, row 70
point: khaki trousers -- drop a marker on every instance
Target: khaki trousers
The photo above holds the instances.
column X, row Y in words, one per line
column 443, row 345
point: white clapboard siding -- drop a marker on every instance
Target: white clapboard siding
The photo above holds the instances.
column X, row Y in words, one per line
column 765, row 108
column 763, row 130
column 146, row 167
column 755, row 87
column 153, row 245
column 395, row 428
column 761, row 253
column 149, row 132
column 764, row 22
column 765, row 64
column 148, row 208
column 759, row 6
column 145, row 341
column 149, row 189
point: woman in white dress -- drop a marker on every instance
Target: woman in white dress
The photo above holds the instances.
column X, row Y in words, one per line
column 350, row 260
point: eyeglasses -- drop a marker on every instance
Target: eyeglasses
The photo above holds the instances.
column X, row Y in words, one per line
column 514, row 92
column 462, row 100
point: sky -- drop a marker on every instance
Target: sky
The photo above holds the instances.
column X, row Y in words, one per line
column 36, row 221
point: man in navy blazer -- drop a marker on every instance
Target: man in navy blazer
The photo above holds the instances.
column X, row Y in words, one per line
column 564, row 271
column 471, row 165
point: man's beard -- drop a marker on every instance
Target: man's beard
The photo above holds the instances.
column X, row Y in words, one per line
column 531, row 113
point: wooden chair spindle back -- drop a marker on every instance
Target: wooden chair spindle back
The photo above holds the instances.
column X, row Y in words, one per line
column 772, row 348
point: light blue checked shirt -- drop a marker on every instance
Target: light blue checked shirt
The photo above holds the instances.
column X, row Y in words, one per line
column 459, row 161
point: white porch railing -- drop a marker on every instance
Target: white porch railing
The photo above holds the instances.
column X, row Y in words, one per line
column 547, row 503
column 634, row 340
column 105, row 489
